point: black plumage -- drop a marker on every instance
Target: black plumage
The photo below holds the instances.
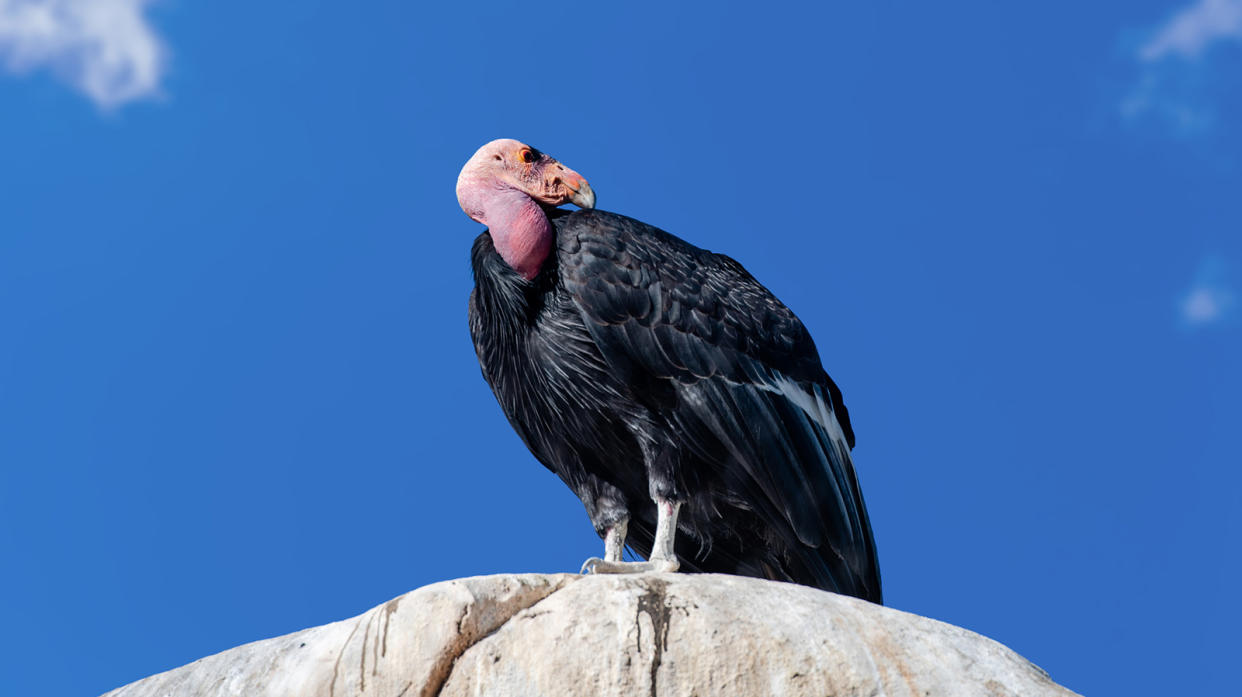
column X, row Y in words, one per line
column 636, row 365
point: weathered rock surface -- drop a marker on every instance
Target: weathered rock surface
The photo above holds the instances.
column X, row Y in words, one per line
column 666, row 634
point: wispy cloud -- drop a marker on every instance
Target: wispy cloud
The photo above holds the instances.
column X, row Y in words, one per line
column 104, row 48
column 1176, row 85
column 1210, row 298
column 1194, row 28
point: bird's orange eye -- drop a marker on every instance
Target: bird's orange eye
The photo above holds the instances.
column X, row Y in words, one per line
column 527, row 156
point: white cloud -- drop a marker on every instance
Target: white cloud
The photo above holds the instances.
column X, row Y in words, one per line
column 1194, row 28
column 1171, row 98
column 1210, row 298
column 1204, row 305
column 104, row 48
column 1176, row 86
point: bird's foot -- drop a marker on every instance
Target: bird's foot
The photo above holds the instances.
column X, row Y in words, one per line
column 595, row 565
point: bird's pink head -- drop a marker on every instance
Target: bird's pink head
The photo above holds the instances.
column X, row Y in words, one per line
column 508, row 165
column 504, row 186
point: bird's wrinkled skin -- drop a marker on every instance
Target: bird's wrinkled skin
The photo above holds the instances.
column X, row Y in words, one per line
column 508, row 163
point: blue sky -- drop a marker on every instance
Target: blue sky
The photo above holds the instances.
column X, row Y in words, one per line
column 238, row 396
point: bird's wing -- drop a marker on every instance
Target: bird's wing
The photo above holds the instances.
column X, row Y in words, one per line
column 752, row 397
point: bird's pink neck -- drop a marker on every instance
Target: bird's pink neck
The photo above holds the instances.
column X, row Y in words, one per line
column 520, row 230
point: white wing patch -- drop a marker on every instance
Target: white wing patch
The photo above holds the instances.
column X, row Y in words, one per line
column 813, row 404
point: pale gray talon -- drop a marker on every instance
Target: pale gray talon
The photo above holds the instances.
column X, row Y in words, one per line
column 595, row 565
column 663, row 558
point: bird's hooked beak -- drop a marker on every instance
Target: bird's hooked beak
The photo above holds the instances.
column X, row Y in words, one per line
column 566, row 186
column 584, row 196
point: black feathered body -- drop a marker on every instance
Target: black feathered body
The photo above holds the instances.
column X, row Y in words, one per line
column 638, row 365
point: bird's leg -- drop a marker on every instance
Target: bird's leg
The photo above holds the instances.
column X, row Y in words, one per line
column 614, row 540
column 663, row 558
column 614, row 545
column 666, row 533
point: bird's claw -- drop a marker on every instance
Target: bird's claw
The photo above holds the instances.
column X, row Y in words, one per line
column 595, row 565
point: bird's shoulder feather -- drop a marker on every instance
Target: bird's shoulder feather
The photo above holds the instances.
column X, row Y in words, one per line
column 656, row 302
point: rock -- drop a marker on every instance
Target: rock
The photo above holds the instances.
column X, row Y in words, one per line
column 656, row 634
